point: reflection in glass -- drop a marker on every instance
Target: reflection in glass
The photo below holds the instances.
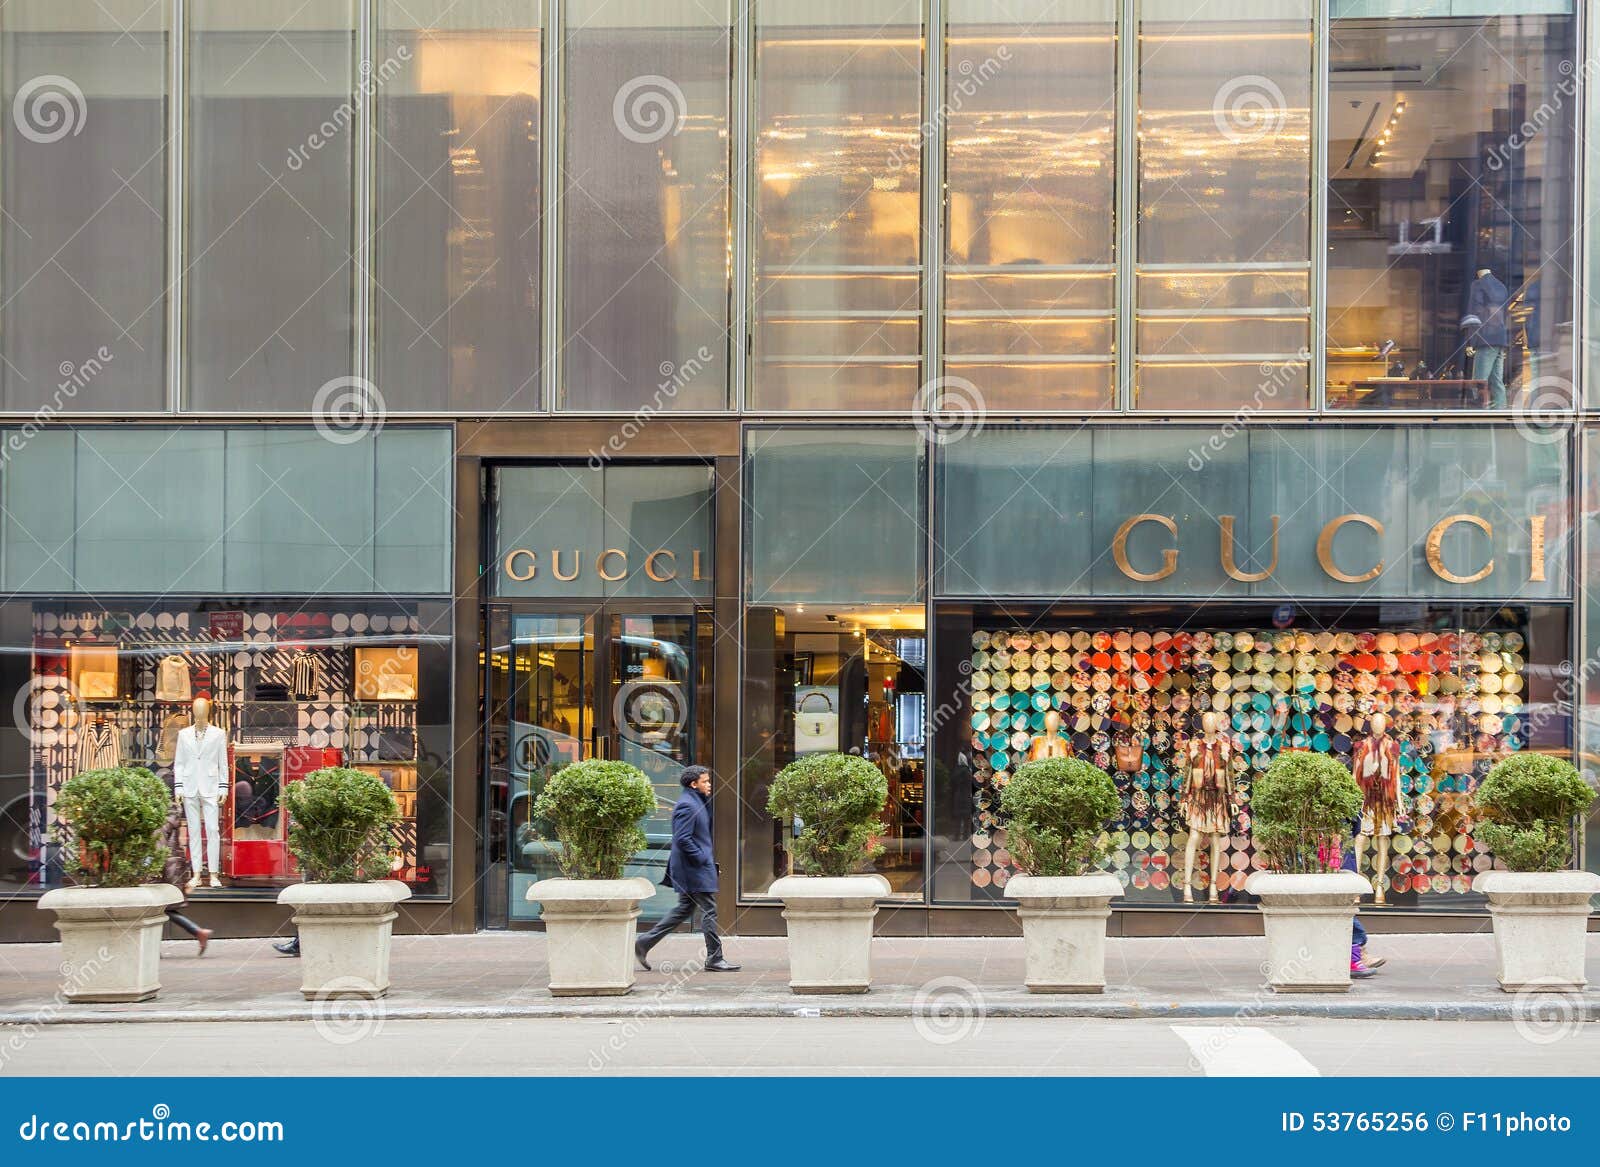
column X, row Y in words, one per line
column 1030, row 158
column 1224, row 263
column 837, row 234
column 456, row 240
column 271, row 202
column 83, row 242
column 645, row 205
column 1449, row 229
column 845, row 679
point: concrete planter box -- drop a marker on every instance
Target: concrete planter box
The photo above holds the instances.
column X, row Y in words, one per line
column 829, row 921
column 344, row 936
column 1541, row 921
column 110, row 940
column 589, row 933
column 1064, row 930
column 1307, row 920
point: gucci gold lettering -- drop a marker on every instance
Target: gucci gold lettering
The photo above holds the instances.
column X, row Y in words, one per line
column 511, row 565
column 1119, row 549
column 1230, row 564
column 1433, row 548
column 660, row 576
column 1325, row 548
column 610, row 553
column 1536, row 549
column 555, row 566
column 695, row 565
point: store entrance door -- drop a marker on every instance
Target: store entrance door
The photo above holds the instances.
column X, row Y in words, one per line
column 621, row 680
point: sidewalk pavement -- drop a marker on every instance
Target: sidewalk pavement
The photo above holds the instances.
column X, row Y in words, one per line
column 502, row 974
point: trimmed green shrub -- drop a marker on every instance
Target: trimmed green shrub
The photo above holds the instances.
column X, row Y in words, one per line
column 340, row 825
column 593, row 810
column 1527, row 804
column 112, row 822
column 837, row 798
column 1056, row 813
column 1301, row 809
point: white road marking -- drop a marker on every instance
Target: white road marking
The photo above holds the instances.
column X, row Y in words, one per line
column 1243, row 1051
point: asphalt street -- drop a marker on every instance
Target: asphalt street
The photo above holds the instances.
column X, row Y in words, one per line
column 361, row 1041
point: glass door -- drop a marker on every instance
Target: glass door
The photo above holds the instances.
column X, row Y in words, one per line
column 595, row 683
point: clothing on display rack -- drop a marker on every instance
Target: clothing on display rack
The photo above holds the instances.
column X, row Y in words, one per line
column 307, row 676
column 172, row 679
column 99, row 746
column 167, row 742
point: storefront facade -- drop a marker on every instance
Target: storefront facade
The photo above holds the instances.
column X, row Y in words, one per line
column 687, row 383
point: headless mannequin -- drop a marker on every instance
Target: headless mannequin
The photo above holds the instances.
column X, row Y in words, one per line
column 1050, row 744
column 1377, row 769
column 1207, row 799
column 198, row 767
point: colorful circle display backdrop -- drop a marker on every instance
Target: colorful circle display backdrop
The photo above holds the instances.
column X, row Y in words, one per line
column 1451, row 699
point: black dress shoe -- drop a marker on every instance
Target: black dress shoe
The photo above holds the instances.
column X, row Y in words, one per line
column 290, row 947
column 720, row 965
column 639, row 951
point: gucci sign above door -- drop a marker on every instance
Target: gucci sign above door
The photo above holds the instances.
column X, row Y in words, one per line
column 612, row 531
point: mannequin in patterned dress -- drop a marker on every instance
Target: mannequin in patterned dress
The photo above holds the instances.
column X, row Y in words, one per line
column 1051, row 743
column 1207, row 801
column 1376, row 765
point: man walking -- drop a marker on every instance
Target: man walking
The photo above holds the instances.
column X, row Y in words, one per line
column 691, row 871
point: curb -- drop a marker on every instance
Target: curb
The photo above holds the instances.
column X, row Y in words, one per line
column 1579, row 1010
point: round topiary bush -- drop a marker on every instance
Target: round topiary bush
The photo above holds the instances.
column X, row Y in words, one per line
column 1527, row 804
column 593, row 810
column 1301, row 809
column 339, row 825
column 113, row 820
column 1057, row 810
column 838, row 799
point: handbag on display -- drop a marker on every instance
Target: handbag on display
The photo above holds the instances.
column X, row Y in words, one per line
column 396, row 687
column 97, row 686
column 1457, row 761
column 816, row 724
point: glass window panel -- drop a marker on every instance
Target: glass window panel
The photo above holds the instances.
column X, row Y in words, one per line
column 651, row 510
column 83, row 252
column 271, row 202
column 1450, row 210
column 1588, row 712
column 456, row 242
column 1030, row 175
column 837, row 233
column 546, row 511
column 645, row 205
column 37, row 478
column 149, row 510
column 412, row 545
column 300, row 512
column 1224, row 193
column 833, row 514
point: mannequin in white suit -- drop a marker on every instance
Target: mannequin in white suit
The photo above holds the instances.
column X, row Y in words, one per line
column 198, row 768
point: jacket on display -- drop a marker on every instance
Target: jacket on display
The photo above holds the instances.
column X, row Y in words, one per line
column 200, row 761
column 690, row 866
column 172, row 679
column 1487, row 301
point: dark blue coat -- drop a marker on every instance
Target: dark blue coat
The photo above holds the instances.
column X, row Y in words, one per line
column 690, row 866
column 1487, row 301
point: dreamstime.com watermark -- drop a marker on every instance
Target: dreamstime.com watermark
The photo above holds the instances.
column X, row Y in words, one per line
column 1276, row 376
column 947, row 1010
column 75, row 976
column 618, row 1041
column 971, row 76
column 372, row 79
column 1546, row 112
column 74, row 380
column 1218, row 1038
column 948, row 409
column 1249, row 108
column 347, row 409
column 49, row 108
column 674, row 379
column 649, row 108
column 159, row 1127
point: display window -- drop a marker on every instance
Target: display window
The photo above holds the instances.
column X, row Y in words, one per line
column 243, row 698
column 1185, row 706
column 836, row 679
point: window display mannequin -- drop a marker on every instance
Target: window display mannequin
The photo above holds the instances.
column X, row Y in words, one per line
column 1050, row 743
column 198, row 768
column 1486, row 306
column 1376, row 763
column 1207, row 801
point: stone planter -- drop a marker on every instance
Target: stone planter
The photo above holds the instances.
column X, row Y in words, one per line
column 829, row 920
column 1308, row 920
column 110, row 940
column 1064, row 930
column 589, row 933
column 344, row 936
column 1541, row 922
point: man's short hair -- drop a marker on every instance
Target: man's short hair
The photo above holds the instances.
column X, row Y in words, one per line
column 692, row 774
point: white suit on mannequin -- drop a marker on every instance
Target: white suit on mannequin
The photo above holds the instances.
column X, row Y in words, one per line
column 198, row 768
